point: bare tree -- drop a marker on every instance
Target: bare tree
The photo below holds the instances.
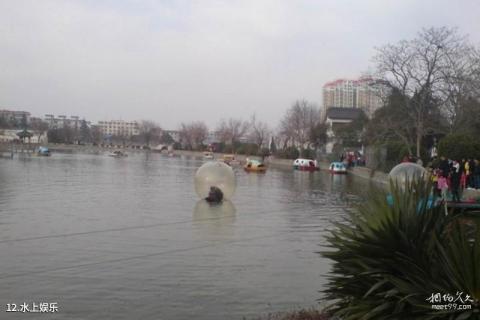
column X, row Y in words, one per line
column 120, row 137
column 298, row 123
column 232, row 131
column 463, row 80
column 41, row 127
column 185, row 135
column 391, row 123
column 97, row 136
column 149, row 130
column 318, row 135
column 193, row 134
column 259, row 131
column 429, row 71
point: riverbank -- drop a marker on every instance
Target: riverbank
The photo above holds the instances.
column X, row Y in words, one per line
column 304, row 314
column 284, row 164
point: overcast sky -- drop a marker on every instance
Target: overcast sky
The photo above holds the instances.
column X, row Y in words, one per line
column 179, row 61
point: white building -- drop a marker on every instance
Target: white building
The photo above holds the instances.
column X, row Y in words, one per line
column 339, row 93
column 17, row 116
column 62, row 121
column 362, row 93
column 119, row 128
column 337, row 117
column 368, row 96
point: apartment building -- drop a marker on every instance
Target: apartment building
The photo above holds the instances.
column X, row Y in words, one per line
column 368, row 96
column 62, row 121
column 119, row 128
column 362, row 93
column 16, row 116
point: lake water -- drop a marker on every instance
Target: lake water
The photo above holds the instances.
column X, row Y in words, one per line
column 128, row 238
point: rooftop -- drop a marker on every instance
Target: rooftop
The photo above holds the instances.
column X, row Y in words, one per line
column 334, row 83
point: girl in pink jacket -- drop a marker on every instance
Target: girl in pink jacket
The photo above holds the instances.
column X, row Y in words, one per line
column 442, row 185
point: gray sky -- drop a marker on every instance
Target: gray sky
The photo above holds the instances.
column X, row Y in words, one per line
column 174, row 61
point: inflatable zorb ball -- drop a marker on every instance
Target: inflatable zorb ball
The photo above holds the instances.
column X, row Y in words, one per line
column 407, row 171
column 215, row 174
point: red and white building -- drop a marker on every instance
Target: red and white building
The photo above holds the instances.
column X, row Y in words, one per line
column 363, row 93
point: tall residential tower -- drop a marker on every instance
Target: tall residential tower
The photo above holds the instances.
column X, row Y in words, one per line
column 362, row 93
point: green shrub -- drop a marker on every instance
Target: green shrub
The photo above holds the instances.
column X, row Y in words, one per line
column 332, row 157
column 396, row 151
column 218, row 147
column 308, row 154
column 389, row 259
column 247, row 148
column 288, row 153
column 459, row 146
column 264, row 152
column 177, row 146
column 227, row 148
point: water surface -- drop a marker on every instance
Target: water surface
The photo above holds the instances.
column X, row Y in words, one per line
column 127, row 238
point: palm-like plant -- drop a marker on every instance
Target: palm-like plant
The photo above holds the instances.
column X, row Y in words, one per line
column 389, row 258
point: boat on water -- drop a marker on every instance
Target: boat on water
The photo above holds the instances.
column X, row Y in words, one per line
column 117, row 154
column 337, row 168
column 43, row 151
column 207, row 155
column 255, row 166
column 305, row 165
column 230, row 160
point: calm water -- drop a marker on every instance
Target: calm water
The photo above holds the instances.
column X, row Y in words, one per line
column 127, row 238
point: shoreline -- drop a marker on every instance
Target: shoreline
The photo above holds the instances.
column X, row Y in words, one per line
column 279, row 163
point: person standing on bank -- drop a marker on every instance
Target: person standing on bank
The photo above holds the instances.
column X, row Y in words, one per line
column 463, row 174
column 471, row 177
column 444, row 166
column 476, row 174
column 442, row 186
column 456, row 174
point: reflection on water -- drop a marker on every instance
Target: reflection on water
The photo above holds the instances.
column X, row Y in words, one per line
column 214, row 218
column 128, row 238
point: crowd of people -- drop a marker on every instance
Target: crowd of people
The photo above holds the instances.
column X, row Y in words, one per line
column 352, row 158
column 454, row 176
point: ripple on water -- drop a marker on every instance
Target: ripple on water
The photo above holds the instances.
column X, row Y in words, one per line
column 125, row 238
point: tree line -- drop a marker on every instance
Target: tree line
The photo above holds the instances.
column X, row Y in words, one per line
column 149, row 132
column 300, row 131
column 430, row 89
column 434, row 86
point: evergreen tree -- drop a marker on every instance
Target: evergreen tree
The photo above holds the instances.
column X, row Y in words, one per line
column 24, row 123
column 84, row 132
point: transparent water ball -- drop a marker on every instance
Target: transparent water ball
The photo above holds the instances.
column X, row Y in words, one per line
column 215, row 174
column 407, row 170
